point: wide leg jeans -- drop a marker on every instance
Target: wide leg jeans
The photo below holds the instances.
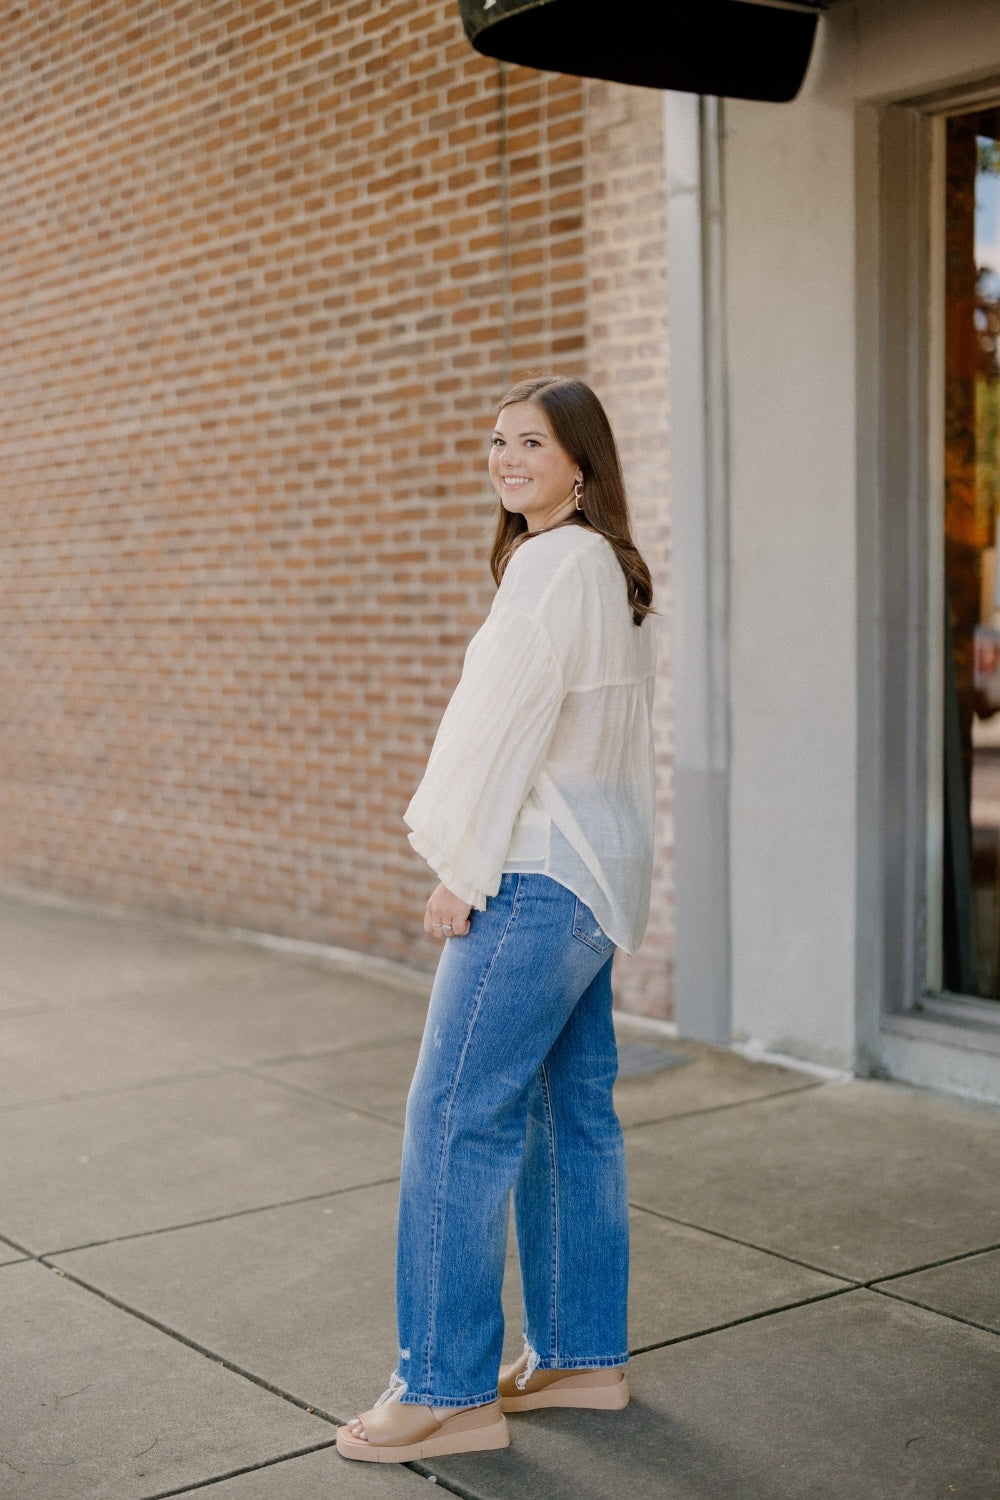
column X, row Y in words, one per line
column 513, row 1092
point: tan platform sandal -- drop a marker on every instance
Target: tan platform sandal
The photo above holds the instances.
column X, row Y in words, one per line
column 398, row 1434
column 595, row 1390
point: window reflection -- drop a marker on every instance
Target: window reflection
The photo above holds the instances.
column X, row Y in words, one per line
column 971, row 887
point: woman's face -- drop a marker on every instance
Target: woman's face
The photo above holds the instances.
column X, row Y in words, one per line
column 531, row 473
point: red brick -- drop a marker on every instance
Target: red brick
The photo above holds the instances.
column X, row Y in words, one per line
column 261, row 289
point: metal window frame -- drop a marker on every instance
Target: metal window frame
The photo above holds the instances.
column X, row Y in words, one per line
column 900, row 249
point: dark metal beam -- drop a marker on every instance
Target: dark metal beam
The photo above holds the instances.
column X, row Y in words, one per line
column 746, row 49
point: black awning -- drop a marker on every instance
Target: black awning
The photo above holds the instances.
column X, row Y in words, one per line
column 741, row 49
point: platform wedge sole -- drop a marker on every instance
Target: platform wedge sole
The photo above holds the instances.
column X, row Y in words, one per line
column 591, row 1390
column 407, row 1437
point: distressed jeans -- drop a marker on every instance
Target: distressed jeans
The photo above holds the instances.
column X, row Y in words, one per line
column 512, row 1092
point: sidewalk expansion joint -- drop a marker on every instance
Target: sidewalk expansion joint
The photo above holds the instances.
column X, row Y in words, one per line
column 755, row 1317
column 852, row 1283
column 932, row 1265
column 254, row 1070
column 189, row 1343
column 879, row 1285
column 281, row 1059
column 80, row 1096
column 714, row 1109
column 22, row 1249
column 449, row 1486
column 939, row 1312
column 236, row 1213
column 267, row 1463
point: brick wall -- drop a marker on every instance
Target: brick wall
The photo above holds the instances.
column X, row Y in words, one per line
column 266, row 268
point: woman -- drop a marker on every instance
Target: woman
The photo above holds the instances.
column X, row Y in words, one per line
column 536, row 815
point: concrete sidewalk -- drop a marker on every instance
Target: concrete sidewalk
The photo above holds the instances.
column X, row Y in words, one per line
column 200, row 1149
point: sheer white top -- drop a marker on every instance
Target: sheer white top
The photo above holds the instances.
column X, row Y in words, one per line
column 543, row 762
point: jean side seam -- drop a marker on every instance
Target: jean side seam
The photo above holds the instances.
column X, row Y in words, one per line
column 445, row 1129
column 550, row 1130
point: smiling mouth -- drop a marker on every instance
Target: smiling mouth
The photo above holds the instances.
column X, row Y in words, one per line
column 515, row 481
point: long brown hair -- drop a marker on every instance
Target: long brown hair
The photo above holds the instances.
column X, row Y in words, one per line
column 582, row 430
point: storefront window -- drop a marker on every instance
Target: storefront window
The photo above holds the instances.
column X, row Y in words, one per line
column 970, row 917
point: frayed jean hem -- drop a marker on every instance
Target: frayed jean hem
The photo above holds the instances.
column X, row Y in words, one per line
column 422, row 1398
column 610, row 1362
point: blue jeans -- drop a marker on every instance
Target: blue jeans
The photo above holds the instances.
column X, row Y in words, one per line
column 512, row 1091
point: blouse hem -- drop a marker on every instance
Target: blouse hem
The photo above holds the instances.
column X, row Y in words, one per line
column 523, row 867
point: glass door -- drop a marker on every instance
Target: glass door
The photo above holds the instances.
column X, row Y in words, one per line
column 969, row 951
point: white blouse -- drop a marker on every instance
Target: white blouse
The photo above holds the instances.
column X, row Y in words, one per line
column 543, row 762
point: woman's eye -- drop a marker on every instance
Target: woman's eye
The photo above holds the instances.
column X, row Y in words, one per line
column 496, row 442
column 531, row 442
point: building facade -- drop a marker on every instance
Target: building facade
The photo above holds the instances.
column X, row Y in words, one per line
column 267, row 268
column 850, row 249
column 268, row 265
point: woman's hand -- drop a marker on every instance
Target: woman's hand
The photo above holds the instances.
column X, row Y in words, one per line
column 446, row 916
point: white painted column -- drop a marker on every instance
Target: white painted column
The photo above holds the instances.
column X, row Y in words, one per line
column 700, row 566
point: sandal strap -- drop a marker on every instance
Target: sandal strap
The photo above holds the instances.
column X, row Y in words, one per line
column 393, row 1391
